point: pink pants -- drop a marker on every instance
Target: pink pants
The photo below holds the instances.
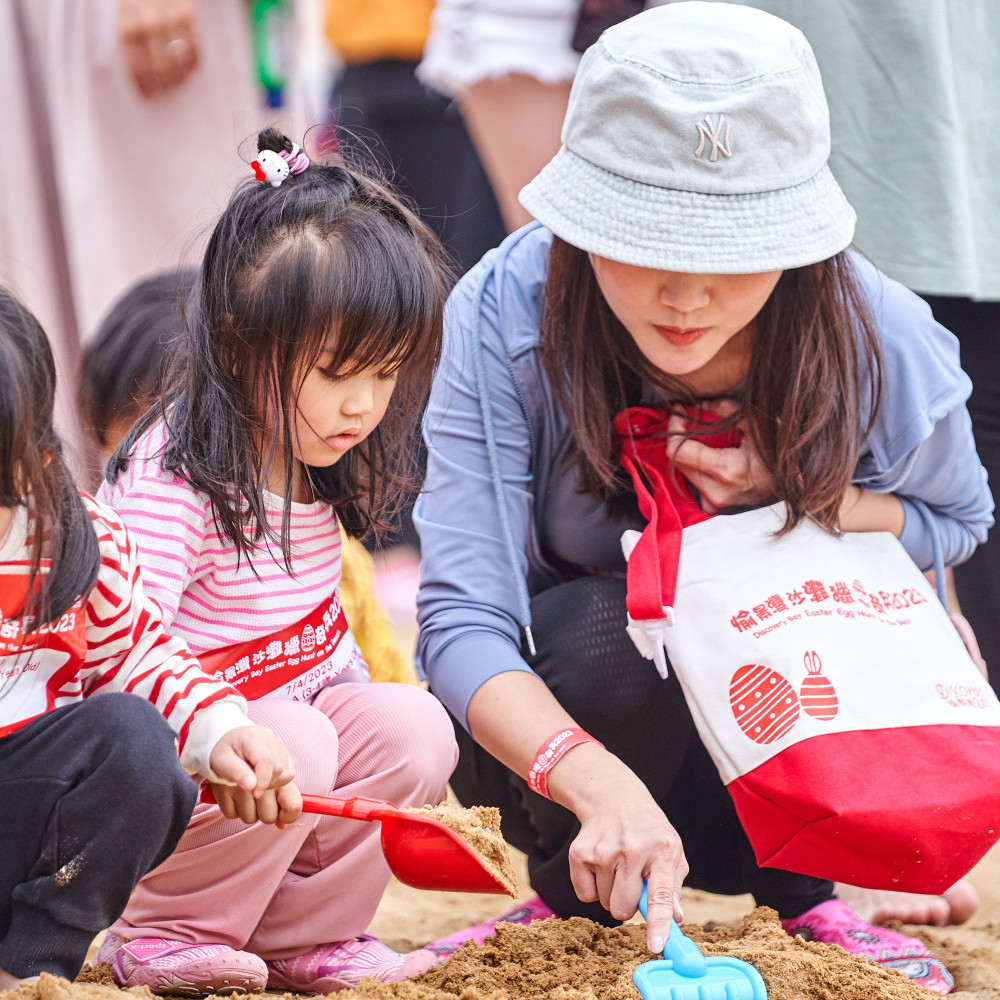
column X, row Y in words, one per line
column 279, row 893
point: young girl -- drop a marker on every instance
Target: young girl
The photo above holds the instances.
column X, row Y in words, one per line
column 315, row 325
column 122, row 371
column 93, row 792
column 694, row 250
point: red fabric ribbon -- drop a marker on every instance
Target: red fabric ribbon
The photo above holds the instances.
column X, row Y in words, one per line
column 666, row 500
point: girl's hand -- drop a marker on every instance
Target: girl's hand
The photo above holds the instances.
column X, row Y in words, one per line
column 624, row 838
column 259, row 772
column 160, row 41
column 279, row 806
column 723, row 477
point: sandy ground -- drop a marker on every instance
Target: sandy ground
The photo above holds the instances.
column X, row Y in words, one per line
column 408, row 918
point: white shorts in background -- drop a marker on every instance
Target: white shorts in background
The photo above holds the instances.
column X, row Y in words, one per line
column 474, row 40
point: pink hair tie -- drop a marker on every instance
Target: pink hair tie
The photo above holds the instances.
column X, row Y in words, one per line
column 272, row 168
column 296, row 159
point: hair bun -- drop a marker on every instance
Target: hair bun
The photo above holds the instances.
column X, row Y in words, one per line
column 270, row 138
column 277, row 157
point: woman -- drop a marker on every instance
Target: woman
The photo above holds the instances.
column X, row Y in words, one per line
column 694, row 249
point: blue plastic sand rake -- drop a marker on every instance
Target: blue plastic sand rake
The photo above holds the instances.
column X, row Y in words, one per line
column 685, row 974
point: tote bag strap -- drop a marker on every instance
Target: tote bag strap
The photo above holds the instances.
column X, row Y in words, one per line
column 667, row 502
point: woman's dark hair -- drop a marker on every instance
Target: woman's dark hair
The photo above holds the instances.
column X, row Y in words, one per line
column 33, row 473
column 122, row 367
column 330, row 260
column 815, row 362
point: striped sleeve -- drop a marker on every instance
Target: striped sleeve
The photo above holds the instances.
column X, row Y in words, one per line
column 167, row 521
column 129, row 650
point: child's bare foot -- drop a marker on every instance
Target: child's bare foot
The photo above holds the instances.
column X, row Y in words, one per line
column 878, row 906
column 9, row 982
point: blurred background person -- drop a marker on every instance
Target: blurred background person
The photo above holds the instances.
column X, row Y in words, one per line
column 124, row 115
column 510, row 64
column 416, row 136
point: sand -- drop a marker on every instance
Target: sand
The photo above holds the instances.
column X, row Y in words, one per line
column 579, row 960
column 408, row 918
column 479, row 827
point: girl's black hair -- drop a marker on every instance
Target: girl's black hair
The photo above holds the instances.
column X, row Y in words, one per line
column 33, row 473
column 329, row 260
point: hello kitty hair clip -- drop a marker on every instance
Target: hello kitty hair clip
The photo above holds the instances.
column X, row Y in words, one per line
column 274, row 166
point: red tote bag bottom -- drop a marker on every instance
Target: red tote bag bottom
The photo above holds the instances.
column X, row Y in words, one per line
column 909, row 809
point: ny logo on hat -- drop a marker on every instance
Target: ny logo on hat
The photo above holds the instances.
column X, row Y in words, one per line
column 714, row 135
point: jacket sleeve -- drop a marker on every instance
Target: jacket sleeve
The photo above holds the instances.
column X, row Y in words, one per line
column 944, row 472
column 469, row 603
column 921, row 445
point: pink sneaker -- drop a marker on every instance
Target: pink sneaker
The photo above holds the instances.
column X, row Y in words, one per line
column 524, row 913
column 180, row 967
column 833, row 922
column 331, row 967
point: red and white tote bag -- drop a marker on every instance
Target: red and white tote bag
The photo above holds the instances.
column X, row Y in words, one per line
column 857, row 737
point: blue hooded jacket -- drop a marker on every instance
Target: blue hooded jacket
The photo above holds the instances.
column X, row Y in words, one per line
column 497, row 500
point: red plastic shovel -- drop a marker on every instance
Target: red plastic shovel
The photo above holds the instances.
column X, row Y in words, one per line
column 421, row 851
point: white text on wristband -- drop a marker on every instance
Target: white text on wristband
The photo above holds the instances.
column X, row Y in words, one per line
column 549, row 754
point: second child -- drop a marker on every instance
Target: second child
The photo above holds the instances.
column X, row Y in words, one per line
column 314, row 327
column 96, row 791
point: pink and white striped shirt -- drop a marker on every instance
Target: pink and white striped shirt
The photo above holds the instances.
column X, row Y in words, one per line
column 209, row 597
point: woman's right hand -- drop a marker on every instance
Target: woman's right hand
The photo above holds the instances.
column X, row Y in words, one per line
column 160, row 41
column 624, row 838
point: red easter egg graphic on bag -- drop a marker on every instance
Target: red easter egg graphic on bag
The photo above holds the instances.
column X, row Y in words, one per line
column 818, row 697
column 764, row 704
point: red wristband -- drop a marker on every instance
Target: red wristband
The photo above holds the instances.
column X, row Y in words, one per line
column 551, row 752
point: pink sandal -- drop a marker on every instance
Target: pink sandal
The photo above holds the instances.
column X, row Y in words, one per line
column 524, row 913
column 328, row 968
column 181, row 968
column 833, row 922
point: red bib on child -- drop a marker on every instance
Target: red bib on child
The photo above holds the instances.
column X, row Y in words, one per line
column 295, row 662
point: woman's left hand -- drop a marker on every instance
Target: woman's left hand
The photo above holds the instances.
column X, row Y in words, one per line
column 723, row 477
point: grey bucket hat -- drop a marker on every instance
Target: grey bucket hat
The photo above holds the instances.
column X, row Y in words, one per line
column 696, row 139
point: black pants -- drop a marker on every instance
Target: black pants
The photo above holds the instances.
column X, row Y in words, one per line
column 93, row 797
column 977, row 582
column 419, row 140
column 590, row 665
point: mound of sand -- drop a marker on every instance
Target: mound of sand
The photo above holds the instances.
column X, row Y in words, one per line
column 577, row 959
